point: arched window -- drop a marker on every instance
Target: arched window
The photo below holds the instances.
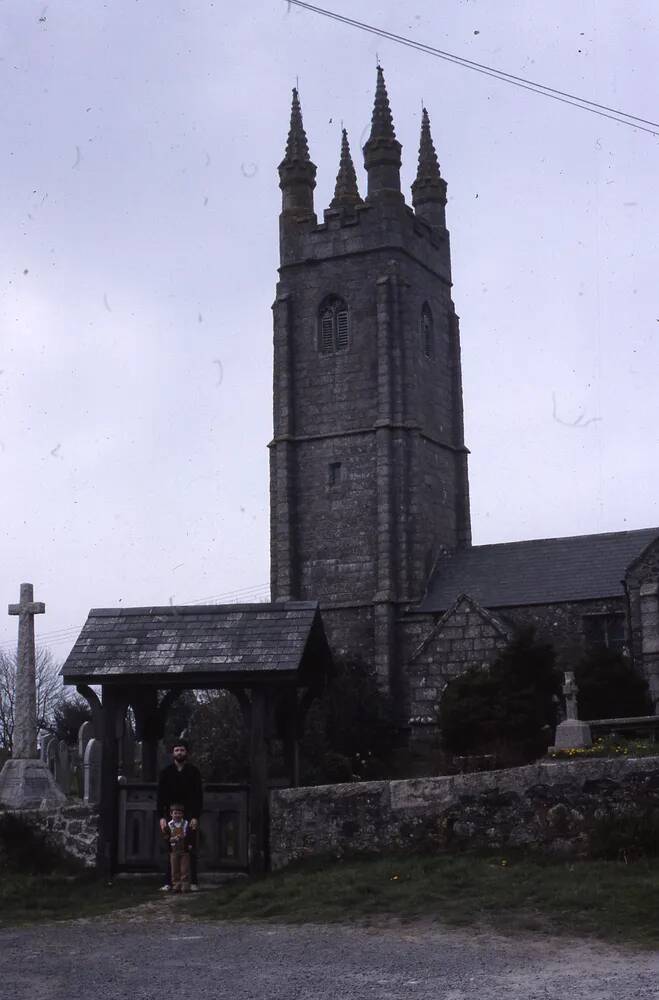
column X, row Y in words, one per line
column 333, row 326
column 427, row 337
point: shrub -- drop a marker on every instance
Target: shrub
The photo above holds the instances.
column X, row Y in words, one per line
column 610, row 686
column 25, row 849
column 220, row 740
column 69, row 713
column 510, row 707
column 626, row 838
column 349, row 732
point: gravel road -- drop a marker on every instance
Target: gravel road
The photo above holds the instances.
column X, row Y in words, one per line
column 144, row 955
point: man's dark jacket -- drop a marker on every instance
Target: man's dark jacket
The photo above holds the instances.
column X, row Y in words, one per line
column 183, row 787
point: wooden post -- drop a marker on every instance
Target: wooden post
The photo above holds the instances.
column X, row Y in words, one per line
column 258, row 792
column 113, row 702
column 290, row 736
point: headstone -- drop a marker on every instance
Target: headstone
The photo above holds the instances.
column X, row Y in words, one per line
column 570, row 690
column 45, row 746
column 51, row 755
column 63, row 767
column 571, row 734
column 85, row 734
column 92, row 772
column 25, row 781
column 127, row 761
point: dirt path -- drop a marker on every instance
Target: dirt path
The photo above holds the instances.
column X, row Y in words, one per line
column 145, row 954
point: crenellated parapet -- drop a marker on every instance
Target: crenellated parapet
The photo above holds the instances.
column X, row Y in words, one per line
column 382, row 221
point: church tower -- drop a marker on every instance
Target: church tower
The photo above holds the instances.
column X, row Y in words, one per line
column 368, row 464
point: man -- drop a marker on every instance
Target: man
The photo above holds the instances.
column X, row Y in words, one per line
column 180, row 782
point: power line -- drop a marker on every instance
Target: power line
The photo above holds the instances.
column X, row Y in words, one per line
column 242, row 595
column 603, row 110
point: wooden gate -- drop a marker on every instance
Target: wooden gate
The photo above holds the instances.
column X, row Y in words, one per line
column 222, row 828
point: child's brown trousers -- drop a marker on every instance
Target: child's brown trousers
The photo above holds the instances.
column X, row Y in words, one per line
column 180, row 868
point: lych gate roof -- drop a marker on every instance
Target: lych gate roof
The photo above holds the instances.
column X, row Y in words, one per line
column 186, row 644
column 539, row 571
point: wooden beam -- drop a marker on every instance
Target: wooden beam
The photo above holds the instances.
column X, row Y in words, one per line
column 258, row 793
column 290, row 736
column 113, row 709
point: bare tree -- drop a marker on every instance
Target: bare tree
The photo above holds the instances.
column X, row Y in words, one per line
column 49, row 691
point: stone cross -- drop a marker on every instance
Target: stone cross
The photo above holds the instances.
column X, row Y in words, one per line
column 25, row 704
column 570, row 690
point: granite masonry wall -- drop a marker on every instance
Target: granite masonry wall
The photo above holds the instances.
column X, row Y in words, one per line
column 440, row 648
column 551, row 807
column 73, row 829
column 643, row 589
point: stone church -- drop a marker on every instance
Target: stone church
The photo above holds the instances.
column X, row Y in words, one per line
column 369, row 484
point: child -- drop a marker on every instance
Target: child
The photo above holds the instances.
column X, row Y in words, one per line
column 177, row 833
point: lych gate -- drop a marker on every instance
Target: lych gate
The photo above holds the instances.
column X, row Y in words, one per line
column 273, row 657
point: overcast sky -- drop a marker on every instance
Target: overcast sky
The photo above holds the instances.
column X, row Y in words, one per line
column 138, row 252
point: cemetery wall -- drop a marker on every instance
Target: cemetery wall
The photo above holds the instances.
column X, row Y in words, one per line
column 73, row 829
column 553, row 807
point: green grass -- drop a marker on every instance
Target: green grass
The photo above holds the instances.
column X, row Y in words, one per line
column 38, row 882
column 609, row 746
column 608, row 900
column 604, row 899
column 26, row 898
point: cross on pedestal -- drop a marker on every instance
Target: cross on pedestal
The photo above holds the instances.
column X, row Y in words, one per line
column 25, row 704
column 570, row 690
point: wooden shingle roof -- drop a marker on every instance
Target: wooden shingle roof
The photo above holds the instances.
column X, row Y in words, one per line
column 188, row 644
column 539, row 571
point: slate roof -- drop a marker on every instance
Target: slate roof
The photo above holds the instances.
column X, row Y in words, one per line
column 539, row 571
column 183, row 643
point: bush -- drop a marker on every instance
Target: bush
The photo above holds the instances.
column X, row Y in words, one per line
column 610, row 687
column 220, row 740
column 69, row 713
column 349, row 732
column 26, row 850
column 509, row 708
column 348, row 735
column 626, row 838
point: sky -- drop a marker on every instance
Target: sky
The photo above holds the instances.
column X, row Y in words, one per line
column 139, row 143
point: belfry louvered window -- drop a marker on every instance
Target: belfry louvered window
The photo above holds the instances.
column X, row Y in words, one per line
column 427, row 331
column 333, row 327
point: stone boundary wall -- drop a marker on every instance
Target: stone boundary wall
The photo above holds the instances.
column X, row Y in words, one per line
column 550, row 806
column 73, row 829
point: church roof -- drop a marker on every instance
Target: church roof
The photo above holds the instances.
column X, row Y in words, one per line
column 194, row 644
column 538, row 571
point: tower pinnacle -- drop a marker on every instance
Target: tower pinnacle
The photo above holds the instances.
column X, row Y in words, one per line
column 429, row 188
column 297, row 174
column 382, row 149
column 346, row 193
column 382, row 124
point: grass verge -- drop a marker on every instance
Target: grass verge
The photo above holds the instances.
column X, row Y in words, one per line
column 26, row 898
column 609, row 900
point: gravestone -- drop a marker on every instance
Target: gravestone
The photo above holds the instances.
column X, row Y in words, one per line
column 85, row 734
column 92, row 772
column 63, row 767
column 571, row 734
column 25, row 781
column 51, row 755
column 128, row 749
column 46, row 742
